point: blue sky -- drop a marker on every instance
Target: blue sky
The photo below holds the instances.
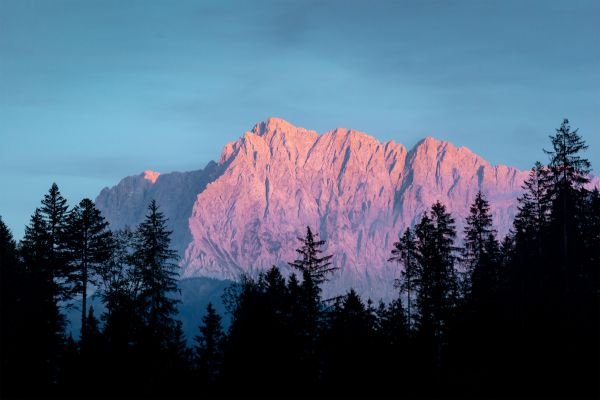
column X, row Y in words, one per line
column 92, row 91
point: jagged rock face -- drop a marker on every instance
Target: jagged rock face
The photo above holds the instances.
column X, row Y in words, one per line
column 358, row 193
column 245, row 212
column 126, row 204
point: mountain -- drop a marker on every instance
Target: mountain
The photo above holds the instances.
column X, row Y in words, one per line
column 245, row 212
column 126, row 203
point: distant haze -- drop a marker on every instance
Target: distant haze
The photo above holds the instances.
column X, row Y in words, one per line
column 91, row 91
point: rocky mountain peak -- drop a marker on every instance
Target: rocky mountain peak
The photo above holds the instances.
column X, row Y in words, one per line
column 151, row 176
column 244, row 213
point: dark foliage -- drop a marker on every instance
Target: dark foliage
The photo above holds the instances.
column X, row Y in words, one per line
column 516, row 317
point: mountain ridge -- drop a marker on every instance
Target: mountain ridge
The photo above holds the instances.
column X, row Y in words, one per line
column 245, row 211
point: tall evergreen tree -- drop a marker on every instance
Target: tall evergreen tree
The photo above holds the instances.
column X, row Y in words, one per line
column 41, row 302
column 209, row 345
column 308, row 305
column 88, row 246
column 310, row 262
column 569, row 169
column 54, row 211
column 45, row 259
column 570, row 172
column 158, row 274
column 534, row 210
column 481, row 248
column 438, row 287
column 405, row 253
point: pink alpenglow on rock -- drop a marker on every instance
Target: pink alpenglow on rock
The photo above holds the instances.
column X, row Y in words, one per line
column 355, row 191
column 244, row 213
column 151, row 176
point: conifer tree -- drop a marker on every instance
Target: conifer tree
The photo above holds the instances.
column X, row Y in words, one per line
column 158, row 274
column 480, row 251
column 43, row 249
column 534, row 209
column 404, row 252
column 310, row 262
column 569, row 172
column 118, row 280
column 41, row 301
column 209, row 345
column 308, row 305
column 88, row 246
column 437, row 295
column 54, row 211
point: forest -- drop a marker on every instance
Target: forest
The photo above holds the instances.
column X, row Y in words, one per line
column 476, row 315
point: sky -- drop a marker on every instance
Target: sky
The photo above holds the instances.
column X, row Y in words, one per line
column 93, row 91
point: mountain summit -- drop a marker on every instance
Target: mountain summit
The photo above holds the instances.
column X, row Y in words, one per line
column 245, row 212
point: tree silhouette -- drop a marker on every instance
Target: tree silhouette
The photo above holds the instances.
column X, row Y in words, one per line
column 43, row 250
column 316, row 267
column 350, row 343
column 88, row 247
column 405, row 253
column 54, row 212
column 481, row 249
column 209, row 345
column 438, row 286
column 158, row 274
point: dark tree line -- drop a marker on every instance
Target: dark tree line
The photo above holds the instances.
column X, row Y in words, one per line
column 477, row 316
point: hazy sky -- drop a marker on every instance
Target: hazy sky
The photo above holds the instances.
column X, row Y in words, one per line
column 92, row 91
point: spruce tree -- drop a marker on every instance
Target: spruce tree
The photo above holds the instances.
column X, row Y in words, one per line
column 569, row 172
column 437, row 295
column 480, row 251
column 209, row 345
column 569, row 169
column 404, row 252
column 118, row 280
column 534, row 209
column 310, row 262
column 54, row 211
column 308, row 305
column 158, row 273
column 44, row 319
column 88, row 246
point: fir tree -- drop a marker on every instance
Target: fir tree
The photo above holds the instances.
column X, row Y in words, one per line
column 41, row 301
column 570, row 172
column 209, row 345
column 404, row 252
column 158, row 274
column 436, row 299
column 534, row 209
column 54, row 211
column 310, row 262
column 88, row 246
column 481, row 249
